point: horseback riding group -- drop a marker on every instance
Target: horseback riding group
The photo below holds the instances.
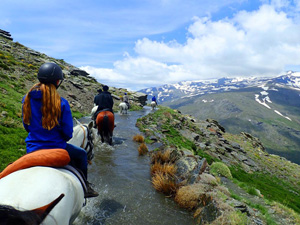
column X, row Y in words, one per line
column 49, row 183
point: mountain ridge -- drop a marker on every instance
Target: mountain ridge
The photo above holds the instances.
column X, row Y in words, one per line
column 267, row 108
column 200, row 87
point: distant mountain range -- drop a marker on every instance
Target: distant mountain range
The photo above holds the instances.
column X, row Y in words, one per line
column 268, row 108
column 184, row 89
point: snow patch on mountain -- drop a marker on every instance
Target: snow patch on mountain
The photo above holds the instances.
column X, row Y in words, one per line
column 205, row 101
column 282, row 115
column 262, row 102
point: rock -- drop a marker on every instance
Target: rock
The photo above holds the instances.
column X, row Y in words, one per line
column 216, row 123
column 139, row 97
column 5, row 34
column 209, row 213
column 185, row 165
column 79, row 72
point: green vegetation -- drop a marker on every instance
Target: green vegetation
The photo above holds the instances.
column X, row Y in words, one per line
column 12, row 145
column 270, row 186
column 220, row 169
column 276, row 181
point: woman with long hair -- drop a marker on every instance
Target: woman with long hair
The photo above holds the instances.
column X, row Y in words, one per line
column 48, row 119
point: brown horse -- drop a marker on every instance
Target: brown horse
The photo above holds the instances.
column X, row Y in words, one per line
column 105, row 123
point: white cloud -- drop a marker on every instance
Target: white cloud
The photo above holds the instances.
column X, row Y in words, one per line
column 257, row 43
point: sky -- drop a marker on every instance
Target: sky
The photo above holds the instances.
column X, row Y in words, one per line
column 137, row 44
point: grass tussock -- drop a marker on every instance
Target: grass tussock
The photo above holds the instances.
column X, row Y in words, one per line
column 220, row 169
column 143, row 149
column 191, row 196
column 164, row 183
column 161, row 157
column 139, row 138
column 166, row 169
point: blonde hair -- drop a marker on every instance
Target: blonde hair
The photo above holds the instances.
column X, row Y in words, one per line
column 51, row 105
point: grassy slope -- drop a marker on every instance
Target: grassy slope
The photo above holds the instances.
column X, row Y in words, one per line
column 278, row 180
column 238, row 111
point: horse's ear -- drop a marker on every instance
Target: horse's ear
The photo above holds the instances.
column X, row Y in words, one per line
column 43, row 211
column 91, row 124
column 77, row 121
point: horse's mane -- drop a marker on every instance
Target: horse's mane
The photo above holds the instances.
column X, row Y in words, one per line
column 11, row 216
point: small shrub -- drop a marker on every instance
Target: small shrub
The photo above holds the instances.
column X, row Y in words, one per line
column 189, row 197
column 220, row 169
column 164, row 183
column 166, row 169
column 162, row 157
column 143, row 149
column 139, row 138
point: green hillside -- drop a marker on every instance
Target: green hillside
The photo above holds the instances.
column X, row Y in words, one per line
column 238, row 111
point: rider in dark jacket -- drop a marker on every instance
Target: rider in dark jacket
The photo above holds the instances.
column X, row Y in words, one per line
column 104, row 101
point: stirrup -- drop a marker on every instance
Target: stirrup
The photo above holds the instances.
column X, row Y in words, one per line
column 91, row 193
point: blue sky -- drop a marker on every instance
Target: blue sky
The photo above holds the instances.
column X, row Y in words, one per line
column 144, row 43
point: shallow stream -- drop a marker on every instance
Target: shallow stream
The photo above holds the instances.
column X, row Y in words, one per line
column 122, row 178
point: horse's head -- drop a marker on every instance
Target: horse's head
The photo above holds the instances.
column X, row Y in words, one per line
column 10, row 215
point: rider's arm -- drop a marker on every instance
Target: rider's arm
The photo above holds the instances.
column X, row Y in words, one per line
column 66, row 121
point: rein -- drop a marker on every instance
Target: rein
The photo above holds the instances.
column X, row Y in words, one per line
column 90, row 145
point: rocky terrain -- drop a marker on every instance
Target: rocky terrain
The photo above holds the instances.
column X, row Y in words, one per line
column 21, row 63
column 222, row 178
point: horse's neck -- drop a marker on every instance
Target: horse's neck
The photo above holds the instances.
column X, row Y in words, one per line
column 79, row 136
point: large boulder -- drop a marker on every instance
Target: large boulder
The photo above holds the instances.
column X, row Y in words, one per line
column 139, row 97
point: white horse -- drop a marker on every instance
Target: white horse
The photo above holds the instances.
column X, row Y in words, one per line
column 35, row 187
column 94, row 109
column 123, row 108
column 153, row 105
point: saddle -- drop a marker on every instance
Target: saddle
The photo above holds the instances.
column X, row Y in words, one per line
column 56, row 158
column 44, row 157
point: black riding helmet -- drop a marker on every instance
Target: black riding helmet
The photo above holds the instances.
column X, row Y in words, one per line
column 50, row 73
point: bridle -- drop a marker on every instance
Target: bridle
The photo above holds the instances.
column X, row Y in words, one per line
column 90, row 144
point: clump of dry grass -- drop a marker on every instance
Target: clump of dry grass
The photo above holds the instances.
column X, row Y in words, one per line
column 139, row 138
column 164, row 183
column 161, row 157
column 143, row 149
column 166, row 169
column 191, row 196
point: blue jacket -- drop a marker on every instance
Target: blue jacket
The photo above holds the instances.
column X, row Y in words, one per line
column 154, row 99
column 41, row 138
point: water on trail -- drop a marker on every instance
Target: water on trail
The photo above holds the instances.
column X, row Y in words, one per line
column 122, row 178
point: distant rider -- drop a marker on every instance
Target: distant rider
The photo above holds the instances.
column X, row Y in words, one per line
column 154, row 100
column 125, row 99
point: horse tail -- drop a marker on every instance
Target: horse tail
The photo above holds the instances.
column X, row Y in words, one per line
column 106, row 124
column 10, row 215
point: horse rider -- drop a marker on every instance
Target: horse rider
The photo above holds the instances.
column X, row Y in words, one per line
column 126, row 100
column 48, row 119
column 104, row 101
column 154, row 100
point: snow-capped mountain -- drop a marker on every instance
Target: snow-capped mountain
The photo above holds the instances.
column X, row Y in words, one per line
column 169, row 92
column 267, row 108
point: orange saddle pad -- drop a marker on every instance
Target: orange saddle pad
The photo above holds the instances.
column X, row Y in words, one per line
column 44, row 157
